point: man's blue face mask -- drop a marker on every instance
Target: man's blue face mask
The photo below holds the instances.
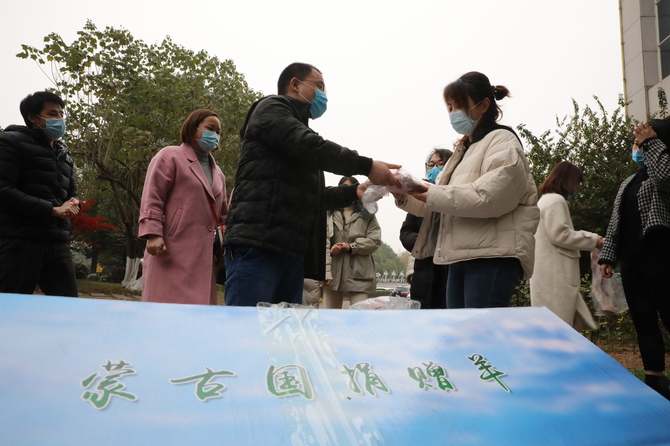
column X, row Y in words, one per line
column 55, row 128
column 319, row 104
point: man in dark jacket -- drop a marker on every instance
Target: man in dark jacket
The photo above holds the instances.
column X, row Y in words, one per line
column 37, row 195
column 276, row 228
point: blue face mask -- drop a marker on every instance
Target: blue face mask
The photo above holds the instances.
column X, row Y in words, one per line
column 432, row 174
column 55, row 128
column 462, row 122
column 318, row 105
column 209, row 140
column 638, row 158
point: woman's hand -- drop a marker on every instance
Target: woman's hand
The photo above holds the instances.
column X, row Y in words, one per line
column 600, row 242
column 327, row 282
column 339, row 247
column 156, row 245
column 421, row 196
column 642, row 132
column 606, row 270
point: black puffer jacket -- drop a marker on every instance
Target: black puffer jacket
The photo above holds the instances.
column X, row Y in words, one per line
column 34, row 178
column 280, row 199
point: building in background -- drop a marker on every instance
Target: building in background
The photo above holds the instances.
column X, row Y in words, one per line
column 645, row 47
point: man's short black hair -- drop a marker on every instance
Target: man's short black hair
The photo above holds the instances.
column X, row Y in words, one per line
column 296, row 69
column 33, row 104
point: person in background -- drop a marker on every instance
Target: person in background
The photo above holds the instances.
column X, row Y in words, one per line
column 410, row 271
column 183, row 203
column 312, row 289
column 38, row 194
column 637, row 239
column 356, row 235
column 482, row 212
column 556, row 280
column 429, row 281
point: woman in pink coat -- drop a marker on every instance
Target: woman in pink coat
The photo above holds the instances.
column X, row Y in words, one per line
column 183, row 201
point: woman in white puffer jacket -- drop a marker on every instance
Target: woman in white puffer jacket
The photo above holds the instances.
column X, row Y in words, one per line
column 481, row 214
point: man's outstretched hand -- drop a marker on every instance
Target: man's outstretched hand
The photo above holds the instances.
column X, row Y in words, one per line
column 381, row 174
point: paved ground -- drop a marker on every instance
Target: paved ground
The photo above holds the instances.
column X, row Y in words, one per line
column 110, row 296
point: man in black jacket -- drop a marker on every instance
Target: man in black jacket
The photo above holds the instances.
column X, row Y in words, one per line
column 37, row 195
column 276, row 228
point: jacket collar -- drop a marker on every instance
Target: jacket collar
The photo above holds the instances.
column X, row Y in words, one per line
column 481, row 134
column 302, row 108
column 36, row 134
column 189, row 154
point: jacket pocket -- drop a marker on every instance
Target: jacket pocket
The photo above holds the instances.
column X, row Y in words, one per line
column 474, row 233
column 572, row 253
column 362, row 267
column 174, row 222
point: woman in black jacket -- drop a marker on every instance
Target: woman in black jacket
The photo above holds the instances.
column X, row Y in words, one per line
column 428, row 284
column 637, row 238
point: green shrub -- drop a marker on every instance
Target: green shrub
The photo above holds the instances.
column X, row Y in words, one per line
column 521, row 296
column 80, row 271
column 117, row 274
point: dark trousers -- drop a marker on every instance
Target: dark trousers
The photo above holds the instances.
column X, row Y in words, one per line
column 645, row 284
column 255, row 275
column 483, row 283
column 429, row 284
column 26, row 263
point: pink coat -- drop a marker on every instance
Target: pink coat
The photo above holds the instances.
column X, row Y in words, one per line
column 175, row 205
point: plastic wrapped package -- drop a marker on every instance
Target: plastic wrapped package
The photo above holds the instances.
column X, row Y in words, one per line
column 387, row 303
column 408, row 182
column 607, row 294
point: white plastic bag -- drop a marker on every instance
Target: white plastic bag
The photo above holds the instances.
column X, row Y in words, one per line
column 387, row 303
column 408, row 183
column 607, row 294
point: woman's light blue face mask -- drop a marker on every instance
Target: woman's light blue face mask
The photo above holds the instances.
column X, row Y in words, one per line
column 208, row 141
column 461, row 121
column 431, row 176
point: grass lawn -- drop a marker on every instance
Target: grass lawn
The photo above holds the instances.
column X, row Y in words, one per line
column 88, row 287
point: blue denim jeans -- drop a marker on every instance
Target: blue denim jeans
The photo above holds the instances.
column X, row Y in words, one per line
column 483, row 283
column 255, row 275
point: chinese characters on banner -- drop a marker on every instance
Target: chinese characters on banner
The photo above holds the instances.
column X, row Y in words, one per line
column 284, row 381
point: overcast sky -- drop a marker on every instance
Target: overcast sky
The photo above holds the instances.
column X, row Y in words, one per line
column 385, row 63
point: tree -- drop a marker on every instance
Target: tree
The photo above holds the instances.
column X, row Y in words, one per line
column 85, row 235
column 600, row 144
column 84, row 226
column 127, row 99
column 387, row 260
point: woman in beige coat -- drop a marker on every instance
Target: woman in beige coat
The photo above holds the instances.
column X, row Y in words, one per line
column 481, row 214
column 556, row 280
column 355, row 236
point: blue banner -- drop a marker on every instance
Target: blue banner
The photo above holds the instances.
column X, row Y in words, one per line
column 84, row 371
